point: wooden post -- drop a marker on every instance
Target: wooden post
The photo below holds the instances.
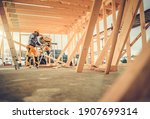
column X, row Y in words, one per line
column 89, row 33
column 75, row 50
column 68, row 49
column 128, row 49
column 92, row 52
column 78, row 38
column 133, row 84
column 136, row 39
column 61, row 44
column 105, row 24
column 61, row 41
column 129, row 17
column 98, row 36
column 101, row 56
column 20, row 46
column 105, row 29
column 65, row 48
column 114, row 12
column 142, row 21
column 146, row 27
column 8, row 35
column 2, row 50
column 115, row 36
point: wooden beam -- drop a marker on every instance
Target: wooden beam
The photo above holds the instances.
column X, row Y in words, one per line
column 2, row 50
column 61, row 41
column 42, row 14
column 142, row 21
column 115, row 35
column 92, row 52
column 98, row 36
column 20, row 44
column 128, row 49
column 80, row 41
column 139, row 35
column 69, row 47
column 114, row 12
column 65, row 48
column 105, row 23
column 132, row 86
column 50, row 4
column 89, row 33
column 8, row 35
column 129, row 17
column 136, row 39
column 101, row 56
column 34, row 9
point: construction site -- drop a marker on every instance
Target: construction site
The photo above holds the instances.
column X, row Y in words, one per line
column 74, row 50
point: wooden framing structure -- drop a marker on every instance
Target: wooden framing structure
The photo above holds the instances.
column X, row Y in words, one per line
column 78, row 19
column 89, row 33
column 8, row 36
column 133, row 85
column 73, row 18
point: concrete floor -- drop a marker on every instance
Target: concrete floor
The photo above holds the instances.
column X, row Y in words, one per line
column 56, row 85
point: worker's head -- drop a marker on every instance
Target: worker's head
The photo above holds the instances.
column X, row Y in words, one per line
column 36, row 32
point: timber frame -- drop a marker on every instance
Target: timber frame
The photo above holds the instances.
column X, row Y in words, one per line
column 79, row 20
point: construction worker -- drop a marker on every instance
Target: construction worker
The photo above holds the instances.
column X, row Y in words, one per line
column 32, row 51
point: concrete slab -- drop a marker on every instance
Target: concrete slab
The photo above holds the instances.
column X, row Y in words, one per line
column 55, row 85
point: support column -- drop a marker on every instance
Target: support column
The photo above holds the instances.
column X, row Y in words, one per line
column 92, row 52
column 142, row 21
column 105, row 24
column 115, row 35
column 128, row 49
column 89, row 33
column 114, row 12
column 2, row 50
column 61, row 41
column 68, row 49
column 20, row 46
column 133, row 83
column 62, row 44
column 129, row 17
column 8, row 35
column 98, row 36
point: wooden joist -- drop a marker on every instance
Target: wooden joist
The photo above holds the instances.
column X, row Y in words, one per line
column 8, row 35
column 51, row 4
column 89, row 34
